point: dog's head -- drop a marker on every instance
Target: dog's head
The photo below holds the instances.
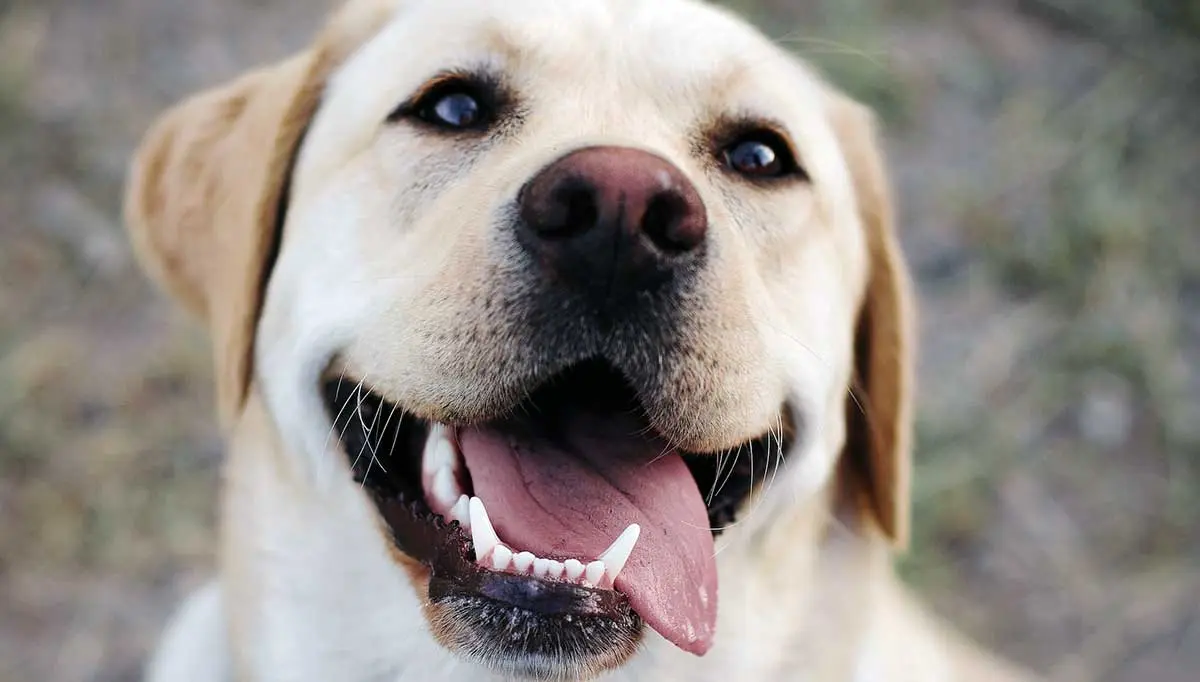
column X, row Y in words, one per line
column 579, row 283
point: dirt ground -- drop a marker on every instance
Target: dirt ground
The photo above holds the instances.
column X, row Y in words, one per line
column 1046, row 153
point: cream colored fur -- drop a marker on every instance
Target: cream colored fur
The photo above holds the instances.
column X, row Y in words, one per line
column 385, row 245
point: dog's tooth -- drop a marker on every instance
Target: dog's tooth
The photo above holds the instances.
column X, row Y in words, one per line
column 555, row 569
column 541, row 567
column 573, row 568
column 483, row 536
column 522, row 561
column 594, row 572
column 461, row 512
column 501, row 557
column 445, row 488
column 618, row 552
column 439, row 451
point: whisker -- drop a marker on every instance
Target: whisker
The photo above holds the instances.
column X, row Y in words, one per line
column 778, row 436
column 375, row 448
column 716, row 529
column 801, row 45
column 804, row 346
column 667, row 449
column 853, row 392
column 337, row 392
column 712, row 490
column 733, row 465
column 356, row 395
column 750, row 491
column 396, row 432
column 367, row 441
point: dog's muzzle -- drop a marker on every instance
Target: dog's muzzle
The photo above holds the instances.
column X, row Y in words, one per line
column 556, row 524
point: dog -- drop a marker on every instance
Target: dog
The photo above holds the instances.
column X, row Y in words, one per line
column 553, row 339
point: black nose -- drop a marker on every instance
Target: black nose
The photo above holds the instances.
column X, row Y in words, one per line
column 612, row 220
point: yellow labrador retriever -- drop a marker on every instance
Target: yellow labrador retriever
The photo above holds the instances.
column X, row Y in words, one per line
column 555, row 339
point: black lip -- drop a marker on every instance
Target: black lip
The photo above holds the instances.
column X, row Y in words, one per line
column 446, row 549
column 518, row 643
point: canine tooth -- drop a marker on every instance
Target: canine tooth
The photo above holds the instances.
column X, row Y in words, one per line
column 541, row 567
column 574, row 569
column 445, row 488
column 594, row 572
column 461, row 511
column 501, row 557
column 439, row 451
column 522, row 561
column 618, row 552
column 555, row 569
column 483, row 536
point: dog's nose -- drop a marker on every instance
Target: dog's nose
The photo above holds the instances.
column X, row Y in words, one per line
column 612, row 219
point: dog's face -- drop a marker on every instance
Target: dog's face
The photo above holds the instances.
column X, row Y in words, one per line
column 578, row 283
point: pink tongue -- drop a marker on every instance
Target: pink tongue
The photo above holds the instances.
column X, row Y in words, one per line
column 570, row 496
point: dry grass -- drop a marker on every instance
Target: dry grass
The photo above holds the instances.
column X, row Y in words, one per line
column 1045, row 155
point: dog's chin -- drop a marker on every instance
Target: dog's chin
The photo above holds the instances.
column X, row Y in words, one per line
column 517, row 625
column 551, row 536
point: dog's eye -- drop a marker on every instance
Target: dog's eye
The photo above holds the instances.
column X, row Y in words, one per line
column 760, row 154
column 453, row 110
column 453, row 104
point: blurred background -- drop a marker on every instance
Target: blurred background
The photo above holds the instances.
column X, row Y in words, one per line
column 1047, row 158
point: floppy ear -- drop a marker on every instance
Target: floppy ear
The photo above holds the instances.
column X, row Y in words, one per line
column 878, row 458
column 204, row 198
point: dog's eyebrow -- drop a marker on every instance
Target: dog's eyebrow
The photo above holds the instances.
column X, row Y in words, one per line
column 496, row 40
column 725, row 83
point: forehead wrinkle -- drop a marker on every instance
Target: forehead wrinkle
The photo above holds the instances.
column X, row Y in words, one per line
column 724, row 87
column 496, row 39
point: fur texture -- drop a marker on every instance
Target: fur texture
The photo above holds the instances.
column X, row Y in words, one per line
column 305, row 226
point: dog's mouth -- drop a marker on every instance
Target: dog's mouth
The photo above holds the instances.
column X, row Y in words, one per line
column 558, row 529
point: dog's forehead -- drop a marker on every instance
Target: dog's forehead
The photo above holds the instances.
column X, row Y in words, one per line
column 683, row 29
column 613, row 46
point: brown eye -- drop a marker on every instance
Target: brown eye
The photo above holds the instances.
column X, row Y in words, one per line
column 760, row 154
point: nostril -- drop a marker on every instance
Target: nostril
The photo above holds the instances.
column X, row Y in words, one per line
column 671, row 224
column 572, row 210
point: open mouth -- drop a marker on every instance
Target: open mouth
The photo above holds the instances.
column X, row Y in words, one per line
column 567, row 519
